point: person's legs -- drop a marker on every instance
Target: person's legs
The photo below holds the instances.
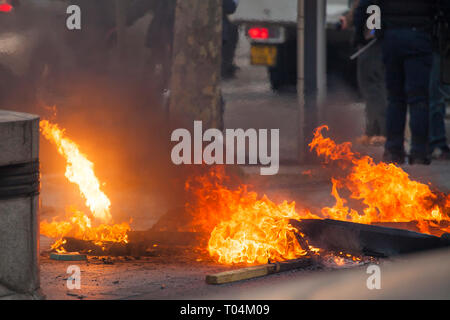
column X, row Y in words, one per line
column 234, row 42
column 229, row 43
column 227, row 59
column 371, row 81
column 396, row 110
column 361, row 69
column 379, row 91
column 417, row 68
column 438, row 138
column 365, row 86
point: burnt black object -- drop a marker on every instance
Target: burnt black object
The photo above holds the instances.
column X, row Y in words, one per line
column 19, row 180
column 362, row 239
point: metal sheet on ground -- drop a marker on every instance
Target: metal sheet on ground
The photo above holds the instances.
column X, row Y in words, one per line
column 362, row 239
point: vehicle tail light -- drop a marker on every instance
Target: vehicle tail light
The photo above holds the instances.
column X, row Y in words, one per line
column 258, row 33
column 266, row 34
column 6, row 7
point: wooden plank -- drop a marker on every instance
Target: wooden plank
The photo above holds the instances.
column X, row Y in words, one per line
column 240, row 274
column 257, row 271
column 300, row 263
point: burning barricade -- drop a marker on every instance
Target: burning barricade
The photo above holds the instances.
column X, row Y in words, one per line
column 236, row 226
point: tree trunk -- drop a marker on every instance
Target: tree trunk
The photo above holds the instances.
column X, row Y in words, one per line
column 195, row 79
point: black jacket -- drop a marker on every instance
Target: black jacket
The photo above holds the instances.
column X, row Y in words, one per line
column 408, row 13
column 229, row 7
column 444, row 7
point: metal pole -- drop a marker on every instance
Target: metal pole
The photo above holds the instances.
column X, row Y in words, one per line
column 311, row 85
column 301, row 143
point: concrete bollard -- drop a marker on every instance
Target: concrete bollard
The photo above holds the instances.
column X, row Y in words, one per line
column 19, row 201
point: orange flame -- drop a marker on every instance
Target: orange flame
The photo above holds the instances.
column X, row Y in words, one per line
column 79, row 226
column 385, row 189
column 245, row 229
column 80, row 170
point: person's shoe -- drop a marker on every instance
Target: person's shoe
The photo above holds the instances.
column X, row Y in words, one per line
column 423, row 160
column 396, row 158
column 235, row 68
column 228, row 75
column 377, row 141
column 363, row 140
column 445, row 153
column 229, row 72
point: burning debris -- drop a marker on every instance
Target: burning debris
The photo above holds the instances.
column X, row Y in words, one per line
column 243, row 228
column 236, row 226
column 248, row 229
column 385, row 189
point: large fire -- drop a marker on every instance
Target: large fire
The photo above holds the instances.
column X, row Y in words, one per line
column 249, row 229
column 80, row 170
column 387, row 192
column 245, row 228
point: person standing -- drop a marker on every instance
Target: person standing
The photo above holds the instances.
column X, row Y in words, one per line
column 90, row 44
column 159, row 41
column 438, row 91
column 371, row 78
column 438, row 94
column 230, row 37
column 406, row 34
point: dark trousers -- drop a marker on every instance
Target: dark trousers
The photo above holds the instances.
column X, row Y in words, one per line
column 438, row 93
column 229, row 44
column 407, row 54
column 371, row 82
